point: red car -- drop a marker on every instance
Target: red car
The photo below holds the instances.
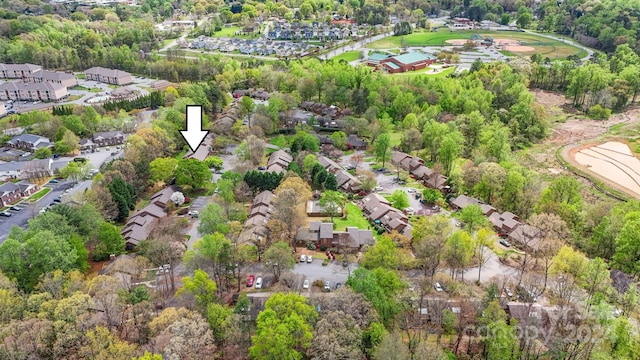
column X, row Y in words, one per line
column 250, row 281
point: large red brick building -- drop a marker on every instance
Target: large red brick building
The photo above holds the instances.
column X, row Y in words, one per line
column 401, row 63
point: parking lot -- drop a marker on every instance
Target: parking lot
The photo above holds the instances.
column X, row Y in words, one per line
column 334, row 272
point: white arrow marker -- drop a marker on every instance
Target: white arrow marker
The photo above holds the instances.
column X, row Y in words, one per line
column 194, row 135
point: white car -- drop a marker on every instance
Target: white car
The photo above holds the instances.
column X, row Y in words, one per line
column 309, row 259
column 378, row 188
column 438, row 287
column 305, row 284
column 259, row 283
column 303, row 258
column 411, row 190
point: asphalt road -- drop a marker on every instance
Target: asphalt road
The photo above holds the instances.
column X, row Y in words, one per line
column 20, row 218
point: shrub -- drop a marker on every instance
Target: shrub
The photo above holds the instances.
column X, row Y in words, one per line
column 319, row 283
column 311, row 246
column 187, row 200
column 323, row 248
column 183, row 211
column 325, row 262
column 598, row 112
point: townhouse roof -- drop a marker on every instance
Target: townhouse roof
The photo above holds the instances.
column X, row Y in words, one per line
column 264, row 197
column 108, row 134
column 20, row 67
column 8, row 188
column 51, row 75
column 328, row 164
column 28, row 138
column 463, row 201
column 106, row 72
column 31, row 86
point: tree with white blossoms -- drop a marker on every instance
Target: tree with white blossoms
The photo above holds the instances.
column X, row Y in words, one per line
column 177, row 198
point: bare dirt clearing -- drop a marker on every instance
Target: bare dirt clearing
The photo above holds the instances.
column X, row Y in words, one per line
column 572, row 127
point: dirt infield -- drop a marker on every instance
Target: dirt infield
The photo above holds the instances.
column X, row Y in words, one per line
column 518, row 48
column 457, row 41
column 613, row 162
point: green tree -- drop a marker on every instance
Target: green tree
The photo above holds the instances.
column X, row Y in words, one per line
column 382, row 148
column 213, row 162
column 279, row 258
column 339, row 139
column 332, row 202
column 627, row 253
column 110, row 242
column 430, row 234
column 43, row 153
column 433, row 135
column 248, row 106
column 450, row 149
column 213, row 219
column 473, row 218
column 458, row 251
column 284, row 328
column 163, row 169
column 399, row 199
column 331, row 183
column 201, row 287
column 193, row 173
column 383, row 254
column 68, row 144
column 562, row 197
column 379, row 287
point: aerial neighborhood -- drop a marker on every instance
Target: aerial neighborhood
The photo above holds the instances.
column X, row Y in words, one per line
column 363, row 180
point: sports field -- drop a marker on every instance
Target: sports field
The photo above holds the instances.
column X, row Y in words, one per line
column 531, row 43
column 349, row 56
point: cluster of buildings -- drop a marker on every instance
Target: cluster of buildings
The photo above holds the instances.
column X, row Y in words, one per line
column 419, row 171
column 461, row 23
column 225, row 121
column 10, row 192
column 322, row 234
column 31, row 83
column 379, row 211
column 279, row 161
column 255, row 228
column 283, row 30
column 262, row 47
column 346, row 182
column 141, row 223
column 100, row 139
column 107, row 76
column 507, row 224
column 400, row 63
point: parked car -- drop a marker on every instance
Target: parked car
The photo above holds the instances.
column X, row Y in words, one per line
column 309, row 259
column 58, row 199
column 305, row 284
column 338, row 286
column 303, row 258
column 15, row 208
column 411, row 190
column 438, row 287
column 194, row 213
column 5, row 214
column 250, row 280
column 508, row 292
column 259, row 283
column 262, row 168
column 378, row 188
column 504, row 243
column 53, row 181
column 327, row 286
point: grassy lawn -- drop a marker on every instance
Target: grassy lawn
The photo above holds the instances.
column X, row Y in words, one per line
column 80, row 76
column 95, row 90
column 425, row 72
column 349, row 56
column 506, row 53
column 354, row 218
column 74, row 97
column 396, row 138
column 546, row 47
column 227, row 31
column 37, row 196
column 79, row 87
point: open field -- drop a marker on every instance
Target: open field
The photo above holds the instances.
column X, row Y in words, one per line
column 534, row 44
column 349, row 56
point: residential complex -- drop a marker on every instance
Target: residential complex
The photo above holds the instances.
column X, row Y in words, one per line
column 10, row 192
column 29, row 142
column 108, row 76
column 32, row 91
column 67, row 80
column 18, row 71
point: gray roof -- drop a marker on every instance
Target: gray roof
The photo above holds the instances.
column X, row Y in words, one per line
column 326, row 231
column 51, row 75
column 8, row 187
column 33, row 86
column 106, row 72
column 108, row 134
column 463, row 201
column 20, row 67
column 29, row 138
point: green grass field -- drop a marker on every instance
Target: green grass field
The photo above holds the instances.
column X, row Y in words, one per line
column 426, row 72
column 354, row 218
column 349, row 56
column 546, row 47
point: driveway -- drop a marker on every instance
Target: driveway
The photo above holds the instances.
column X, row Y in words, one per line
column 334, row 272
